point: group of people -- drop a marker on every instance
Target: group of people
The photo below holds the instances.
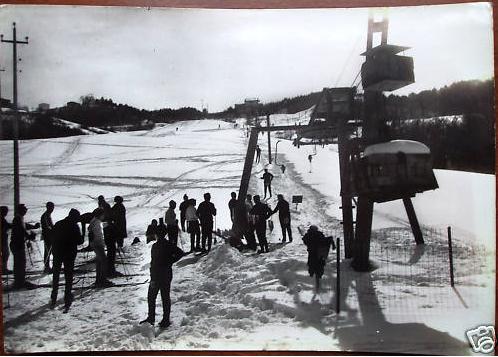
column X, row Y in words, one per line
column 198, row 222
column 107, row 230
column 106, row 233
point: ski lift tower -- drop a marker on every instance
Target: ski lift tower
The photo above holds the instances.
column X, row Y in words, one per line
column 383, row 70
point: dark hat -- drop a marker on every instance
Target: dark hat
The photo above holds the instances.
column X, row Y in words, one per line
column 118, row 199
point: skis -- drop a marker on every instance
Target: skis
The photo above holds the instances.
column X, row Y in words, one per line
column 119, row 285
column 37, row 286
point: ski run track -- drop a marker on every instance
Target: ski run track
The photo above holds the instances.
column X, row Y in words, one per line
column 228, row 300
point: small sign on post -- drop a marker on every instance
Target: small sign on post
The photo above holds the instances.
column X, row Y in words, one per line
column 297, row 199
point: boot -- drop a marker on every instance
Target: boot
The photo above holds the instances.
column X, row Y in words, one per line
column 147, row 320
column 164, row 323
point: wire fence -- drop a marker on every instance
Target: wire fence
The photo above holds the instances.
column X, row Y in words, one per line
column 409, row 277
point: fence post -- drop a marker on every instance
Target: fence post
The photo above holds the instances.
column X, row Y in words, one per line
column 338, row 279
column 450, row 252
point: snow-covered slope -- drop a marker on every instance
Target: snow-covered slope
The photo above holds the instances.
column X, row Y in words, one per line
column 229, row 300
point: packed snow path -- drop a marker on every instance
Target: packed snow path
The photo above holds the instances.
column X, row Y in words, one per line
column 225, row 300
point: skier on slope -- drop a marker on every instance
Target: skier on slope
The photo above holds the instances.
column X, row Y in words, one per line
column 4, row 210
column 284, row 217
column 183, row 209
column 47, row 225
column 151, row 233
column 66, row 236
column 267, row 179
column 232, row 204
column 171, row 223
column 119, row 218
column 18, row 246
column 249, row 232
column 318, row 249
column 193, row 226
column 258, row 154
column 262, row 212
column 96, row 237
column 163, row 256
column 206, row 211
column 111, row 236
column 106, row 207
column 162, row 230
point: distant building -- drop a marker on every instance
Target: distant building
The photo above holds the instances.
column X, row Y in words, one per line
column 73, row 105
column 43, row 107
column 250, row 108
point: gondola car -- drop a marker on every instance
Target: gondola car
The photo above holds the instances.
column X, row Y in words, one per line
column 393, row 170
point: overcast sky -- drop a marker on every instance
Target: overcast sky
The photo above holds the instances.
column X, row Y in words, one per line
column 173, row 57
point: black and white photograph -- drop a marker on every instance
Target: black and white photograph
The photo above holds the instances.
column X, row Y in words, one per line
column 208, row 179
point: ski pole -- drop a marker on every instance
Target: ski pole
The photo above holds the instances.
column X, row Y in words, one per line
column 28, row 247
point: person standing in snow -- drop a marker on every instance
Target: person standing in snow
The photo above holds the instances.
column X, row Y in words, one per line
column 284, row 217
column 96, row 237
column 261, row 212
column 151, row 233
column 66, row 236
column 267, row 179
column 119, row 218
column 232, row 204
column 249, row 233
column 258, row 154
column 171, row 223
column 106, row 207
column 18, row 246
column 163, row 256
column 47, row 226
column 193, row 226
column 111, row 236
column 162, row 230
column 318, row 250
column 4, row 210
column 183, row 209
column 206, row 212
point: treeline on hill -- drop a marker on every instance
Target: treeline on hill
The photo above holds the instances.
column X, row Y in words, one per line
column 467, row 144
column 104, row 113
column 38, row 127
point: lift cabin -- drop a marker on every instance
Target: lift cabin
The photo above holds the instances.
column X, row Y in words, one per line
column 393, row 170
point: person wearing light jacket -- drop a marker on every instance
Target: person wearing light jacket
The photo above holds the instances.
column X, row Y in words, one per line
column 193, row 225
column 96, row 237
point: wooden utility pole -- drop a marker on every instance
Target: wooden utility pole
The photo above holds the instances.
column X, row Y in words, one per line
column 15, row 125
column 1, row 115
column 269, row 139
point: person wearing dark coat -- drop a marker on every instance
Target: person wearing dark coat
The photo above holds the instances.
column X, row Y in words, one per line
column 85, row 219
column 18, row 246
column 111, row 235
column 183, row 209
column 4, row 210
column 318, row 249
column 261, row 212
column 232, row 204
column 162, row 230
column 47, row 226
column 66, row 236
column 119, row 218
column 163, row 256
column 151, row 233
column 206, row 211
column 284, row 217
column 258, row 154
column 106, row 207
column 267, row 179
